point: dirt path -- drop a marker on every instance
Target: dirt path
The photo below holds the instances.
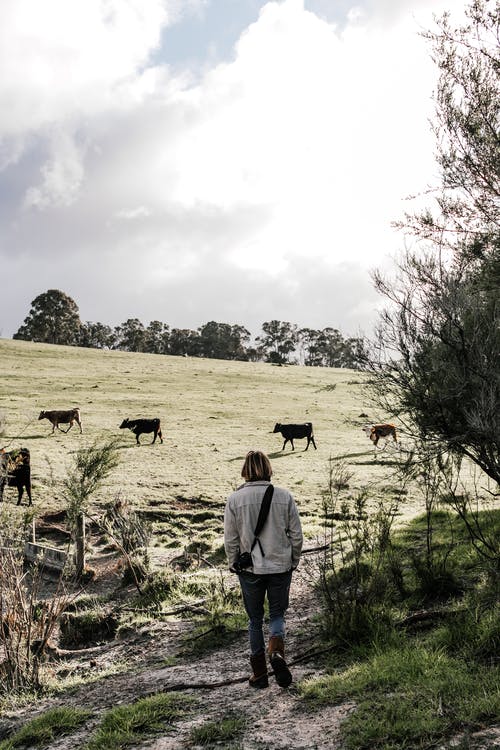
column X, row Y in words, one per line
column 276, row 719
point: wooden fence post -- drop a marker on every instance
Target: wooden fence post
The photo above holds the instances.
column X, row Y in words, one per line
column 80, row 545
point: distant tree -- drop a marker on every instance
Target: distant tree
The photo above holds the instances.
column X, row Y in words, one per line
column 356, row 353
column 436, row 360
column 332, row 346
column 223, row 341
column 130, row 336
column 183, row 341
column 240, row 336
column 279, row 340
column 328, row 348
column 96, row 335
column 308, row 347
column 156, row 337
column 53, row 319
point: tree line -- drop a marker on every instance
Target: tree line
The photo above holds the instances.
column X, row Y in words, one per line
column 54, row 319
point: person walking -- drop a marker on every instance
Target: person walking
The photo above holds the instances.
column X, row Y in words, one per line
column 273, row 553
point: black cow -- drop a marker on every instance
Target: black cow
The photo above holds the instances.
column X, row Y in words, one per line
column 15, row 471
column 138, row 426
column 293, row 432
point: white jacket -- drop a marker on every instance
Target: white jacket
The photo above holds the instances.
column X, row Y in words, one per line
column 281, row 538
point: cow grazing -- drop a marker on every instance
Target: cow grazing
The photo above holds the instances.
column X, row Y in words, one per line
column 377, row 431
column 15, row 471
column 68, row 417
column 293, row 432
column 139, row 426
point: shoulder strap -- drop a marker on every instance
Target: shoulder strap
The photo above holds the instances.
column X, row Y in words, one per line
column 263, row 513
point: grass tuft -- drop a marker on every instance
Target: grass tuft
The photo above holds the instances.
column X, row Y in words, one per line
column 126, row 725
column 44, row 729
column 228, row 730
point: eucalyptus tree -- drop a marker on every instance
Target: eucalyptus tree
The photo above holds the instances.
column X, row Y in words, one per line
column 130, row 336
column 96, row 335
column 156, row 337
column 184, row 342
column 53, row 319
column 279, row 340
column 223, row 341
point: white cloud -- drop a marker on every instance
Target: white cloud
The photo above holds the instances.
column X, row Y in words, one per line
column 62, row 175
column 64, row 58
column 140, row 212
column 276, row 174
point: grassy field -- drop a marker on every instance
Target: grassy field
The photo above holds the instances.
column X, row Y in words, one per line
column 410, row 686
column 211, row 411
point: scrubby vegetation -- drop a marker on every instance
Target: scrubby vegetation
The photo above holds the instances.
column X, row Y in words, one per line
column 412, row 620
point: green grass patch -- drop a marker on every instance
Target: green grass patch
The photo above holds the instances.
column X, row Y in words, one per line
column 126, row 725
column 45, row 729
column 449, row 534
column 472, row 632
column 214, row 733
column 439, row 674
column 451, row 565
column 409, row 696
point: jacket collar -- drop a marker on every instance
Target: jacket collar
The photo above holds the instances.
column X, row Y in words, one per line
column 259, row 483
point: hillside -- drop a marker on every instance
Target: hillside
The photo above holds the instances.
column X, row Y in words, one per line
column 212, row 412
column 192, row 644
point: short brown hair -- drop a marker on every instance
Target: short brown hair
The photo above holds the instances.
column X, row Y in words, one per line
column 257, row 467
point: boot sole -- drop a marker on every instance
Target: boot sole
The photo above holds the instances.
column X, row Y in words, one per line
column 282, row 674
column 260, row 683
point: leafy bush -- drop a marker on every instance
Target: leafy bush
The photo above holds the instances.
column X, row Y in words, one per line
column 353, row 572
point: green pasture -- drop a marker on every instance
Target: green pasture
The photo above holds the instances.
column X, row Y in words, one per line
column 212, row 412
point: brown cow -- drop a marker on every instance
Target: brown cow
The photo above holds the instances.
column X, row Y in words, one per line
column 377, row 431
column 62, row 417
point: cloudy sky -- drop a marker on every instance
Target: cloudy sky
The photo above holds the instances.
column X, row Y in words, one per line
column 196, row 160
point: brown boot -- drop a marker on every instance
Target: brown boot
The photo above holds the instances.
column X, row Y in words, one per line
column 259, row 668
column 282, row 674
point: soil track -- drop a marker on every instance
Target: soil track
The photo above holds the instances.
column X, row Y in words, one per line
column 276, row 719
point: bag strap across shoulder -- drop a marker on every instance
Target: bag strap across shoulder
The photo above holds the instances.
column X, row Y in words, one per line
column 263, row 514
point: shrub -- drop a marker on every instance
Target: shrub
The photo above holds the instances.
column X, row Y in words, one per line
column 27, row 619
column 157, row 589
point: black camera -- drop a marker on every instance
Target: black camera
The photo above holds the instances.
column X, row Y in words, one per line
column 243, row 562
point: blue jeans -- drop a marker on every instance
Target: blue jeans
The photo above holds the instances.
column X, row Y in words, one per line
column 254, row 589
